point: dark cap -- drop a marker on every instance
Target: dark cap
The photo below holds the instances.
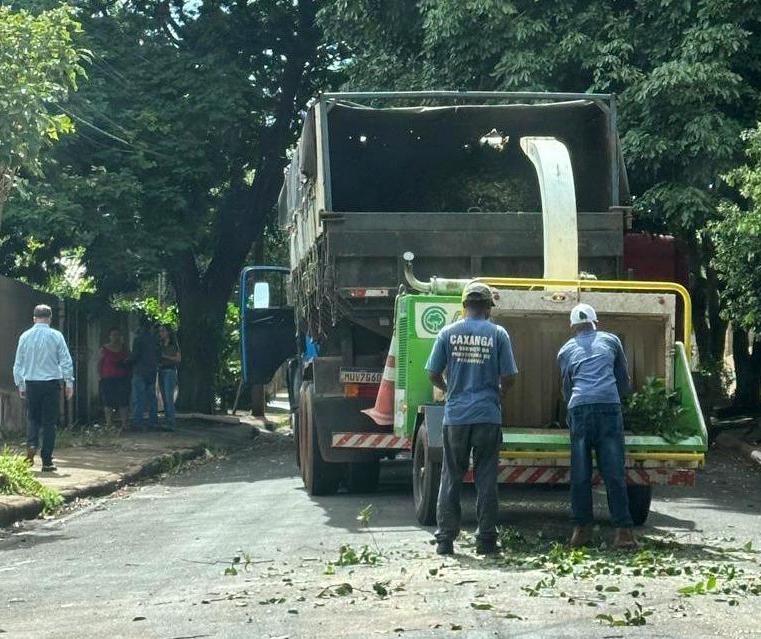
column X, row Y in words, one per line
column 477, row 292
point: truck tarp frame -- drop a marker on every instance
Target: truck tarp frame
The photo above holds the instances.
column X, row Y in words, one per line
column 606, row 101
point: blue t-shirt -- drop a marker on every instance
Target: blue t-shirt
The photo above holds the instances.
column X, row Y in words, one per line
column 475, row 354
column 593, row 366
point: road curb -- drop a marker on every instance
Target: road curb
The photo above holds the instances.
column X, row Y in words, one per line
column 30, row 507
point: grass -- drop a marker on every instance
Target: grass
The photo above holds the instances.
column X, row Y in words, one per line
column 16, row 478
column 87, row 436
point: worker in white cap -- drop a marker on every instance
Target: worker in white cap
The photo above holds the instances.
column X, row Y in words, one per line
column 595, row 380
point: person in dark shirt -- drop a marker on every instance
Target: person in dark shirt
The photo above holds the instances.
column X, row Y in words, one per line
column 145, row 360
column 595, row 379
column 478, row 358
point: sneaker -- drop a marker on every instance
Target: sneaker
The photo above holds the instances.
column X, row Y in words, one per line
column 488, row 547
column 624, row 539
column 445, row 548
column 581, row 536
column 49, row 468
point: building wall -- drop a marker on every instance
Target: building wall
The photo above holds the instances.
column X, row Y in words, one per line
column 84, row 323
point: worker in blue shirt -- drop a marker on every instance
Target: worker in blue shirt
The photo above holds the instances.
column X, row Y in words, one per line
column 42, row 364
column 478, row 358
column 595, row 379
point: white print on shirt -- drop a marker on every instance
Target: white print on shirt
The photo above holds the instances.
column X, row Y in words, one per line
column 471, row 349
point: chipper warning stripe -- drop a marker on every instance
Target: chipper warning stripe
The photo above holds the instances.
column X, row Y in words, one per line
column 370, row 440
column 511, row 474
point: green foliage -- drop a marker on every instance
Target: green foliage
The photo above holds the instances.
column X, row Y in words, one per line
column 654, row 410
column 349, row 556
column 737, row 238
column 636, row 616
column 151, row 308
column 229, row 372
column 16, row 478
column 39, row 67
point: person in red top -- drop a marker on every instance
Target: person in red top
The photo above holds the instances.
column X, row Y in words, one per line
column 114, row 371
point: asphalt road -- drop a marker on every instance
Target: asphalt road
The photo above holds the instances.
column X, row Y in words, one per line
column 150, row 562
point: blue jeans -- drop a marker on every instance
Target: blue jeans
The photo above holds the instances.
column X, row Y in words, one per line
column 144, row 391
column 598, row 428
column 167, row 386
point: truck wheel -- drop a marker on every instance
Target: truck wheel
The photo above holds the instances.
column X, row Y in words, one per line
column 426, row 476
column 363, row 477
column 639, row 503
column 320, row 477
column 296, row 438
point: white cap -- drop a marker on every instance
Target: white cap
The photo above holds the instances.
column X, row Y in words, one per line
column 583, row 314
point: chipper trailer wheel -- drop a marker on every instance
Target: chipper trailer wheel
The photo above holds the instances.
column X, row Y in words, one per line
column 639, row 503
column 320, row 477
column 426, row 475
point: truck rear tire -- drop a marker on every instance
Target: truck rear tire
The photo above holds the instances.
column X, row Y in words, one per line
column 363, row 477
column 639, row 503
column 296, row 437
column 426, row 476
column 320, row 477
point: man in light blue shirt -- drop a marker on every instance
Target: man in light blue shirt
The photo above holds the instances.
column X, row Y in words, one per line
column 478, row 358
column 42, row 363
column 595, row 379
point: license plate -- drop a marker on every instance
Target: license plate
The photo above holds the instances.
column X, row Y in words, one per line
column 360, row 376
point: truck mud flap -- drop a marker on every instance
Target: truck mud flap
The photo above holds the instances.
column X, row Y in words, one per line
column 340, row 415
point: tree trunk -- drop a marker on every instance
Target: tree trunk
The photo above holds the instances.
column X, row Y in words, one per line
column 709, row 328
column 200, row 336
column 747, row 371
column 258, row 400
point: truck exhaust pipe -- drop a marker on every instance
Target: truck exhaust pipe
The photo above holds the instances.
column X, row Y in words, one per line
column 436, row 285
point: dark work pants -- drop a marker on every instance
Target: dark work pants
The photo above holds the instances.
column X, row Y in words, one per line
column 485, row 441
column 43, row 402
column 598, row 428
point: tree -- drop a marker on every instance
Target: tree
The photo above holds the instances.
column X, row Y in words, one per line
column 688, row 76
column 737, row 260
column 39, row 68
column 183, row 131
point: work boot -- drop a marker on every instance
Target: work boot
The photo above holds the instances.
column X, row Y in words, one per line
column 30, row 453
column 486, row 547
column 624, row 539
column 445, row 548
column 581, row 536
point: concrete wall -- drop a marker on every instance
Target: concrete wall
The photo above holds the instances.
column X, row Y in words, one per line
column 85, row 324
column 17, row 301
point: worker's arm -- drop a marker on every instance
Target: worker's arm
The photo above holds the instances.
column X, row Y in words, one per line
column 507, row 366
column 437, row 362
column 19, row 366
column 506, row 382
column 621, row 371
column 437, row 379
column 565, row 375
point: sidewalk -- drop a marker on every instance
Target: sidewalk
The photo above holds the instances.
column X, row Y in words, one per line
column 85, row 471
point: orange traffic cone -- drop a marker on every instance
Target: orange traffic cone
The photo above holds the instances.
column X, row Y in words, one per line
column 383, row 411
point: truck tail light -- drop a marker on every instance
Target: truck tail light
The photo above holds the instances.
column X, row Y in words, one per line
column 365, row 391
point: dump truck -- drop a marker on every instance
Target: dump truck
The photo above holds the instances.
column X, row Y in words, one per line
column 474, row 184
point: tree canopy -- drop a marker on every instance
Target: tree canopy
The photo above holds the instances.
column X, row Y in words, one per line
column 687, row 76
column 39, row 68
